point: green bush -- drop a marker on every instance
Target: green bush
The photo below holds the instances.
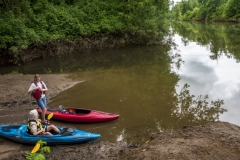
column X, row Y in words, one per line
column 28, row 22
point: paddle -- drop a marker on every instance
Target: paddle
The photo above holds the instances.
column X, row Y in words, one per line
column 37, row 146
column 49, row 116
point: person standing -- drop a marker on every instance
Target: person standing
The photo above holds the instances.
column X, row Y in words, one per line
column 41, row 87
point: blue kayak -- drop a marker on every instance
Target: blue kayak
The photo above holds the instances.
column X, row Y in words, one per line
column 19, row 134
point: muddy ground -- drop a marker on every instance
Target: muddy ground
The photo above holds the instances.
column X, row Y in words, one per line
column 214, row 141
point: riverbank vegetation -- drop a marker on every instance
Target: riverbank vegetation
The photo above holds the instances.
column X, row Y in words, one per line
column 30, row 29
column 201, row 10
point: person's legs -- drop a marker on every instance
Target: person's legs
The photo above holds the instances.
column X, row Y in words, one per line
column 43, row 114
column 42, row 104
column 52, row 127
column 44, row 101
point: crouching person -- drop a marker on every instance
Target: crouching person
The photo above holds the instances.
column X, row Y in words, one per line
column 35, row 126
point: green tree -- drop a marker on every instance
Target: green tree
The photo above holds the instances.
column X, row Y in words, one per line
column 220, row 12
column 209, row 9
column 176, row 13
column 211, row 6
column 233, row 9
column 47, row 21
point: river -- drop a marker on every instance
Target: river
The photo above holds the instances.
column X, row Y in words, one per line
column 154, row 89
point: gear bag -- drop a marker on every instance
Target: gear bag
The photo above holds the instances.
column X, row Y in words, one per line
column 37, row 93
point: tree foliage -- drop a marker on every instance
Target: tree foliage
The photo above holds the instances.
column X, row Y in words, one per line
column 24, row 22
column 233, row 9
column 207, row 10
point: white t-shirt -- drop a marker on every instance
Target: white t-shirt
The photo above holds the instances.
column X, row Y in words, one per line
column 33, row 127
column 40, row 85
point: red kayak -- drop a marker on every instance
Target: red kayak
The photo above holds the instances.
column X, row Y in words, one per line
column 79, row 115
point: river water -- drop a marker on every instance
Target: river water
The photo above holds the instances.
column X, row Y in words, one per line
column 154, row 89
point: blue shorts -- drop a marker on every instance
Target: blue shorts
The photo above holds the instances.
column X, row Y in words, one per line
column 41, row 103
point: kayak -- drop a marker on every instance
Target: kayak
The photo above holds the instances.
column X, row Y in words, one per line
column 20, row 134
column 80, row 115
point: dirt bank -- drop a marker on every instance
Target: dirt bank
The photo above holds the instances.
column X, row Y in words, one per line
column 218, row 140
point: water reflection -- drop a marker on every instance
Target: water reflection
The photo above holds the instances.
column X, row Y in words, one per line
column 196, row 110
column 118, row 58
column 220, row 39
column 142, row 92
column 211, row 56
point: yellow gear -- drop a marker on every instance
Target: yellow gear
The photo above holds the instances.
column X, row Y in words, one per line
column 39, row 125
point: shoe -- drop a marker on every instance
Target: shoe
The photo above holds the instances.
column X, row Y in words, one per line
column 45, row 123
column 64, row 130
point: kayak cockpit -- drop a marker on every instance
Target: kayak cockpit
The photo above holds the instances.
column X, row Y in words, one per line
column 8, row 128
column 74, row 110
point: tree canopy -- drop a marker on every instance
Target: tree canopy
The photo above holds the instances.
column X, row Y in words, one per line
column 24, row 22
column 227, row 10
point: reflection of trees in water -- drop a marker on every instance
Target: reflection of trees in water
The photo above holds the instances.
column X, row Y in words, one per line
column 196, row 110
column 220, row 39
column 178, row 110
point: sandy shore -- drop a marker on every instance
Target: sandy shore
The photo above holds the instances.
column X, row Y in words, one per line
column 217, row 140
